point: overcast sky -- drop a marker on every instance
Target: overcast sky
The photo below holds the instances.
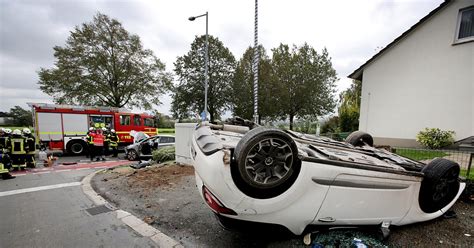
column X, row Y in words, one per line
column 352, row 31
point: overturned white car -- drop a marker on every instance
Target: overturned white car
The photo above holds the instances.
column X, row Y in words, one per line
column 294, row 180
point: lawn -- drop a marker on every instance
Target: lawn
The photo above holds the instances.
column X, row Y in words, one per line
column 420, row 154
column 471, row 173
column 165, row 130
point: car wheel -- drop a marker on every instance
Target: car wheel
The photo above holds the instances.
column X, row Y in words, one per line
column 132, row 155
column 267, row 162
column 359, row 138
column 76, row 147
column 440, row 184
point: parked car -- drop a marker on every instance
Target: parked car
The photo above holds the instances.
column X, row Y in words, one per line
column 145, row 147
column 267, row 175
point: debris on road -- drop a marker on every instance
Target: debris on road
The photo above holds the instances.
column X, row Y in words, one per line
column 142, row 164
column 346, row 238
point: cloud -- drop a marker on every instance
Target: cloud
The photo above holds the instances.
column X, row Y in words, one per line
column 350, row 30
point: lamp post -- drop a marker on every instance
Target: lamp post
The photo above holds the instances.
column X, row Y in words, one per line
column 206, row 76
column 255, row 67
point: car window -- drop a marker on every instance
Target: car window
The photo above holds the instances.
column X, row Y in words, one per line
column 166, row 140
column 136, row 120
column 149, row 122
column 125, row 120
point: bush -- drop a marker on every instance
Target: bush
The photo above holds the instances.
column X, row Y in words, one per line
column 164, row 154
column 435, row 138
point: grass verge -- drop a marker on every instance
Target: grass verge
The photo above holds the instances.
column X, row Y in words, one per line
column 470, row 176
column 165, row 130
column 420, row 154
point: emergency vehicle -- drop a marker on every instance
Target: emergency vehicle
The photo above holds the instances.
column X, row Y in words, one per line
column 64, row 127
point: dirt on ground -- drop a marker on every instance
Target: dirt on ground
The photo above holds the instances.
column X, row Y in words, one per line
column 166, row 197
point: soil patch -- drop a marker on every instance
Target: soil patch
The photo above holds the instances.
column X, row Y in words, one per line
column 166, row 197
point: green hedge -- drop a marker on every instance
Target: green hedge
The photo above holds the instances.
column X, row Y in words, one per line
column 164, row 154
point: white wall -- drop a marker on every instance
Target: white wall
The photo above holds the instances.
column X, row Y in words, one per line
column 423, row 81
column 184, row 134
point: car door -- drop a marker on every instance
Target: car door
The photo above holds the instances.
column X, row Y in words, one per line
column 365, row 197
column 146, row 146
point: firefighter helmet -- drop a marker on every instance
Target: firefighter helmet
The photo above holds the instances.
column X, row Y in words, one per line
column 104, row 129
column 91, row 129
column 26, row 131
column 113, row 130
column 8, row 131
column 16, row 132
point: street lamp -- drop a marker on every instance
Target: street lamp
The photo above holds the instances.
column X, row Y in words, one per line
column 206, row 77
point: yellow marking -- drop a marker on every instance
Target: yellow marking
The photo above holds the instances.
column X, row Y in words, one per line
column 66, row 133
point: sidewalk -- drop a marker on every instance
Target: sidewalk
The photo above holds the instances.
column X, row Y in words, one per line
column 78, row 166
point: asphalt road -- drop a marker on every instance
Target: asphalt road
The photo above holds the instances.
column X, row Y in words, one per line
column 56, row 216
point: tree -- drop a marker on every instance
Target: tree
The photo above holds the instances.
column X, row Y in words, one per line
column 21, row 117
column 350, row 107
column 188, row 95
column 103, row 64
column 306, row 81
column 331, row 125
column 242, row 99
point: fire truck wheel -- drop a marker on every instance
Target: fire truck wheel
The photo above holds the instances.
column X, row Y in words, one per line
column 76, row 147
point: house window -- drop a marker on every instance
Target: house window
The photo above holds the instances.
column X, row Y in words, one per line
column 465, row 31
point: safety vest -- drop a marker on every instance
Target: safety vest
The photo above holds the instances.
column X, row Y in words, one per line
column 98, row 139
column 113, row 139
column 90, row 138
column 17, row 145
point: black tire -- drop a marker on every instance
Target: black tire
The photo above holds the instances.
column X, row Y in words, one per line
column 267, row 163
column 76, row 147
column 359, row 138
column 132, row 155
column 440, row 184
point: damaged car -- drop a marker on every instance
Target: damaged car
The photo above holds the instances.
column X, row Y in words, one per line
column 144, row 146
column 258, row 174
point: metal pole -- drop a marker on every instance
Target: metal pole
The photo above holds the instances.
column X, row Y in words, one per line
column 255, row 67
column 205, row 70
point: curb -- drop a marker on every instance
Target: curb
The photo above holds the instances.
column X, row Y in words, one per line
column 161, row 239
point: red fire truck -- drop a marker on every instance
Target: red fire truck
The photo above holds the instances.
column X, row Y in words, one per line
column 64, row 127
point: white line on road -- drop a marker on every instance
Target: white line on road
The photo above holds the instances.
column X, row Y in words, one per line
column 44, row 172
column 27, row 190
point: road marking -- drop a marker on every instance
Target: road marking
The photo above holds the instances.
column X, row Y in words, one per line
column 34, row 189
column 62, row 170
column 44, row 172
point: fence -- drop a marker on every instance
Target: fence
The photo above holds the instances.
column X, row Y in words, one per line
column 336, row 136
column 465, row 159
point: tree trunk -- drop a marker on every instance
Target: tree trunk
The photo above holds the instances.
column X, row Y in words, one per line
column 211, row 116
column 291, row 122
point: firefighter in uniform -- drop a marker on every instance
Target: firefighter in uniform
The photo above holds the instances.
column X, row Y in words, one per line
column 105, row 133
column 3, row 139
column 90, row 142
column 17, row 149
column 5, row 162
column 113, row 139
column 30, row 147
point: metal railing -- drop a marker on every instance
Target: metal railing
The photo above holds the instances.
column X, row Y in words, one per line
column 465, row 159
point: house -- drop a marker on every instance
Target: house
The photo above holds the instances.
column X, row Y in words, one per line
column 424, row 78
